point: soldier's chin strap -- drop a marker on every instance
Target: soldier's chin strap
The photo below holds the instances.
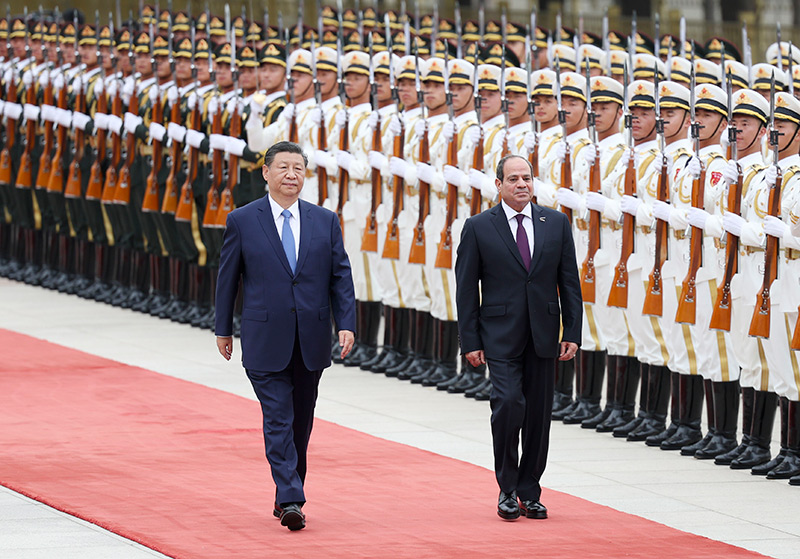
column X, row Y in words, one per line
column 756, row 137
column 680, row 127
column 791, row 140
column 719, row 123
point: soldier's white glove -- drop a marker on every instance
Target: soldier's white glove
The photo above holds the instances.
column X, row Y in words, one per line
column 678, row 219
column 44, row 78
column 48, row 113
column 372, row 120
column 157, row 132
column 661, row 210
column 529, row 141
column 235, row 146
column 571, row 199
column 326, row 160
column 58, row 82
column 80, row 121
column 395, row 125
column 131, row 122
column 191, row 101
column 213, row 106
column 288, row 111
column 775, row 227
column 694, row 168
column 561, row 151
column 455, row 176
column 398, row 166
column 733, row 223
column 596, row 201
column 154, row 93
column 27, row 78
column 194, row 138
column 101, row 121
column 31, row 112
column 98, row 86
column 233, row 105
column 419, row 128
column 345, row 160
column 341, row 118
column 12, row 110
column 378, row 161
column 64, row 117
column 172, row 95
column 217, row 142
column 590, row 154
column 630, row 205
column 480, row 180
column 2, row 108
column 113, row 85
column 625, row 157
column 730, row 172
column 114, row 124
column 315, row 116
column 771, row 175
column 176, row 132
column 449, row 130
column 425, row 173
column 698, row 217
column 473, row 135
column 659, row 163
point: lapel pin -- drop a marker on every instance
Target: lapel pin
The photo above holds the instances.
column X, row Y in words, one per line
column 542, row 219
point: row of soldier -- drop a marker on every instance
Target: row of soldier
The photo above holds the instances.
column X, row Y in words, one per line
column 680, row 209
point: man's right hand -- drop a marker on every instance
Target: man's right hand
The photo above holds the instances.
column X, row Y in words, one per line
column 225, row 346
column 476, row 358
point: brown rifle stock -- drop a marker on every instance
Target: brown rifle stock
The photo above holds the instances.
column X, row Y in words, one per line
column 122, row 194
column 477, row 164
column 721, row 315
column 687, row 301
column 11, row 134
column 391, row 246
column 759, row 324
column 654, row 298
column 344, row 176
column 55, row 182
column 322, row 172
column 618, row 294
column 417, row 253
column 566, row 181
column 94, row 191
column 45, row 160
column 110, row 183
column 150, row 202
column 226, row 197
column 73, row 188
column 369, row 241
column 588, row 275
column 444, row 252
column 533, row 159
column 170, row 203
column 186, row 200
column 25, row 173
column 212, row 197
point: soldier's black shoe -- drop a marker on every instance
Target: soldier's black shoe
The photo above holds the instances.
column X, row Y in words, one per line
column 656, row 440
column 717, row 446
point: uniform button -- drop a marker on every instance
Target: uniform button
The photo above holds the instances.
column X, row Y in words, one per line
column 293, row 310
column 294, row 283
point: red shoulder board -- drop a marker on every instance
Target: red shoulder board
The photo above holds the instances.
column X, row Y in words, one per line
column 715, row 177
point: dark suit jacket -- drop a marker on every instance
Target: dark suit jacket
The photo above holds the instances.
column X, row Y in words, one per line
column 277, row 303
column 511, row 302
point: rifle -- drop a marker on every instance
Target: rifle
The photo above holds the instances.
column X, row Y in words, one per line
column 618, row 294
column 369, row 241
column 417, row 253
column 24, row 175
column 444, row 252
column 687, row 300
column 234, row 130
column 587, row 267
column 110, row 185
column 391, row 245
column 212, row 197
column 122, row 194
column 759, row 324
column 73, row 188
column 566, row 165
column 45, row 160
column 150, row 201
column 55, row 182
column 654, row 298
column 533, row 156
column 503, row 102
column 721, row 315
column 322, row 140
column 477, row 156
column 186, row 200
column 344, row 133
column 170, row 203
column 293, row 129
column 94, row 191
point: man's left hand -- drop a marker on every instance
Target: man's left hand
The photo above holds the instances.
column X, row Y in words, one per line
column 346, row 340
column 568, row 351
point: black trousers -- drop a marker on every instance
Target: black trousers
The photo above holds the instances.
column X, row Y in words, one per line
column 521, row 401
column 287, row 399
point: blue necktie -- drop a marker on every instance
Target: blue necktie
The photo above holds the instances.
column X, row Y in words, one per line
column 287, row 238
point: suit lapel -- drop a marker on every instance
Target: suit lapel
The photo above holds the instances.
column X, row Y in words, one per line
column 501, row 224
column 268, row 225
column 306, row 232
column 539, row 234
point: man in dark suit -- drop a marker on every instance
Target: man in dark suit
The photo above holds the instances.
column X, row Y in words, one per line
column 515, row 263
column 294, row 273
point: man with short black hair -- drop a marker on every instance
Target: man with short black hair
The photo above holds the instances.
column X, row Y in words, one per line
column 292, row 281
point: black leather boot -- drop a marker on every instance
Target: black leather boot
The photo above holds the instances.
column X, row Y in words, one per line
column 658, row 394
column 748, row 398
column 592, row 371
column 435, row 347
column 389, row 336
column 626, row 429
column 405, row 355
column 611, row 402
column 563, row 403
column 726, row 412
column 690, row 391
column 469, row 378
column 708, row 393
column 627, row 377
column 447, row 367
column 368, row 341
column 674, row 412
column 790, row 466
column 767, row 467
column 757, row 452
column 422, row 347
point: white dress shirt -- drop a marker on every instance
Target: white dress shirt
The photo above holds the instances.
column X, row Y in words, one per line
column 527, row 222
column 294, row 222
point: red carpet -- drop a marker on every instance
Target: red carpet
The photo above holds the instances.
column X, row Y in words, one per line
column 180, row 468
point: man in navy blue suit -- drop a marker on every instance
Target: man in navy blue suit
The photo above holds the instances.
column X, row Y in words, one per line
column 294, row 273
column 516, row 263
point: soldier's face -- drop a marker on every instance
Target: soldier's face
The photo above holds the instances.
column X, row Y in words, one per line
column 676, row 121
column 68, row 54
column 248, row 78
column 407, row 92
column 384, row 87
column 750, row 130
column 788, row 133
column 434, row 94
column 711, row 123
column 490, row 103
column 105, row 53
column 52, row 54
column 183, row 68
column 143, row 65
column 203, row 71
column 18, row 46
column 606, row 115
column 36, row 50
column 271, row 76
column 302, row 83
column 462, row 96
column 327, row 81
column 644, row 123
column 123, row 61
column 224, row 76
column 162, row 67
column 576, row 111
column 546, row 108
column 517, row 104
column 88, row 54
column 355, row 85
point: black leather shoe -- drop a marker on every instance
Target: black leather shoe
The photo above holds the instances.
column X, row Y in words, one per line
column 277, row 510
column 532, row 509
column 292, row 517
column 507, row 506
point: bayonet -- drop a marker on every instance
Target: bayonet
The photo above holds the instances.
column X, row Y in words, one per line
column 780, row 46
column 791, row 69
column 682, row 36
column 459, row 42
column 658, row 35
column 477, row 92
column 447, row 93
column 606, row 43
column 170, row 38
column 590, row 118
column 632, row 47
column 532, row 46
column 481, row 22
